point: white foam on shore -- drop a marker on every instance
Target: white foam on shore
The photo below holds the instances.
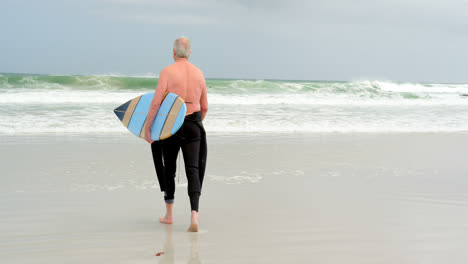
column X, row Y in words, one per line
column 54, row 97
column 237, row 179
column 276, row 100
column 86, row 97
column 420, row 88
column 243, row 106
column 114, row 127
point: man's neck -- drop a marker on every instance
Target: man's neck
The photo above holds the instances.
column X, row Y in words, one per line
column 177, row 59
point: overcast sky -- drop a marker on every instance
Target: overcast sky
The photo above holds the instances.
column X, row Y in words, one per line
column 396, row 40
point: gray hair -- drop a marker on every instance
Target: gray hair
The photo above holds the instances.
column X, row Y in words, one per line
column 182, row 47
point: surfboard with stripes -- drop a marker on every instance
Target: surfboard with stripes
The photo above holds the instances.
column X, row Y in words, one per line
column 168, row 121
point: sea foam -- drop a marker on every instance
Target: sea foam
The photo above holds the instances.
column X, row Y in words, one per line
column 38, row 104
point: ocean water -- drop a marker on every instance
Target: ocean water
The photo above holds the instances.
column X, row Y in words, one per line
column 45, row 104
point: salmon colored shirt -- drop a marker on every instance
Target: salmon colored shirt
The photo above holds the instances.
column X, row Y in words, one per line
column 187, row 81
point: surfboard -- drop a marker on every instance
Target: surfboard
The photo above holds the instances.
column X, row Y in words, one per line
column 168, row 121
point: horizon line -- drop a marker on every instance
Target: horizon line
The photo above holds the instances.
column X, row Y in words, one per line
column 156, row 76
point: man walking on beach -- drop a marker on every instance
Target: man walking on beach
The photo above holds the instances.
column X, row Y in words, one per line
column 188, row 82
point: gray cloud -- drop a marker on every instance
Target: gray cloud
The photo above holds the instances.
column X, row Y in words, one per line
column 289, row 39
column 449, row 16
column 164, row 19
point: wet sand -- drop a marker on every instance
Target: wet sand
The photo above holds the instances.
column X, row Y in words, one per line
column 324, row 198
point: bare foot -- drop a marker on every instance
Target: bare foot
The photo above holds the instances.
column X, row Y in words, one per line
column 194, row 222
column 165, row 220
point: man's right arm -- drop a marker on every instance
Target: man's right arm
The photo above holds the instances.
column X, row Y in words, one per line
column 203, row 98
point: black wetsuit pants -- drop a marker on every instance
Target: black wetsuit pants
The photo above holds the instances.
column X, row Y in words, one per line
column 187, row 139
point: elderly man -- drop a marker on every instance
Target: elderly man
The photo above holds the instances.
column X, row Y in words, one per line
column 187, row 81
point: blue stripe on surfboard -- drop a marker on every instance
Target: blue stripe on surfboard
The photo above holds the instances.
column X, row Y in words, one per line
column 161, row 117
column 179, row 120
column 139, row 114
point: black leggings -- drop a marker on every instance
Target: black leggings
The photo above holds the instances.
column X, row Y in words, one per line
column 187, row 139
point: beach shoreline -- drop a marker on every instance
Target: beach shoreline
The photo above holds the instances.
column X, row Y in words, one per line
column 267, row 198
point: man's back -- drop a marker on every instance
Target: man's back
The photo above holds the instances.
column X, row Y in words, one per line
column 187, row 81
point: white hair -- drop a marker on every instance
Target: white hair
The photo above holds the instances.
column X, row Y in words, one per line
column 182, row 47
